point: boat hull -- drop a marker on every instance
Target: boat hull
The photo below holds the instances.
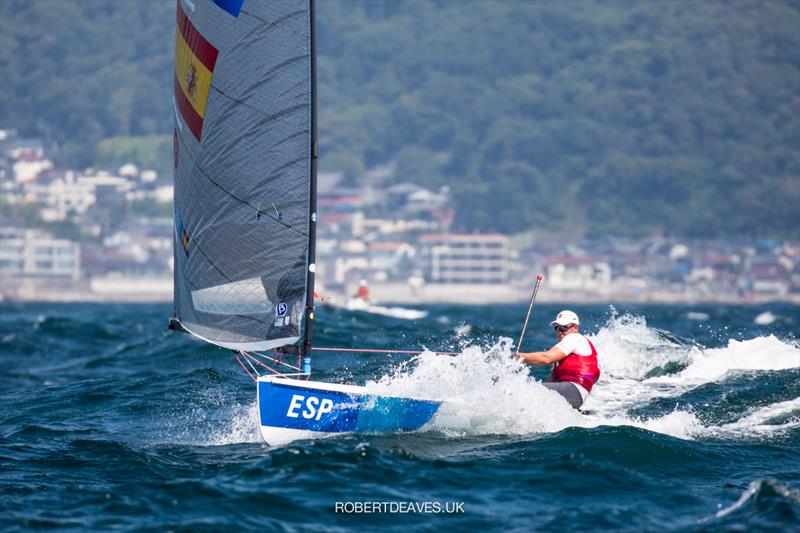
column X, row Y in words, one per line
column 290, row 410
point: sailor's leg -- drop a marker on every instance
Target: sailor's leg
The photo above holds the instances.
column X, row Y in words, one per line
column 568, row 391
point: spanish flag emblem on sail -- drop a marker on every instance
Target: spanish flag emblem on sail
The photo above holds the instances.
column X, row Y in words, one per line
column 194, row 64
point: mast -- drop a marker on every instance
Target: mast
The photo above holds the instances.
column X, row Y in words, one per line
column 312, row 223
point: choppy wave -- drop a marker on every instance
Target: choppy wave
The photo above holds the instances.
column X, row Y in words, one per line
column 766, row 505
column 486, row 392
column 109, row 422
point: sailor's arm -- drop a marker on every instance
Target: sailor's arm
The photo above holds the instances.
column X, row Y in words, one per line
column 549, row 357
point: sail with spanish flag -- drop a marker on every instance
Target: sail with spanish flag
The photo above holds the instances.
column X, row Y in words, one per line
column 245, row 213
column 244, row 171
column 195, row 59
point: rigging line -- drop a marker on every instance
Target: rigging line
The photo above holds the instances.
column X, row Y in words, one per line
column 367, row 350
column 250, row 357
column 279, row 374
column 251, row 366
column 276, row 361
column 244, row 367
column 273, row 360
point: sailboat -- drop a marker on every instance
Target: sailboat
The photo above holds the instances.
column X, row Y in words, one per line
column 245, row 158
column 358, row 304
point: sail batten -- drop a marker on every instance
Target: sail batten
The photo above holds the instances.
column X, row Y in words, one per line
column 243, row 171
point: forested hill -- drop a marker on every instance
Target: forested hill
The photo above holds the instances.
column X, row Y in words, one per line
column 620, row 118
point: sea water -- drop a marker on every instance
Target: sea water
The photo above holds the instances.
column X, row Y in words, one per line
column 110, row 421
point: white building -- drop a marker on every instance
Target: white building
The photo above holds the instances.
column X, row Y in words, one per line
column 577, row 274
column 162, row 195
column 35, row 253
column 74, row 194
column 128, row 170
column 62, row 196
column 27, row 171
column 466, row 258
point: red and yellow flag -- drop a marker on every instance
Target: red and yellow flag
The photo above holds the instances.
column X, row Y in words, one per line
column 195, row 58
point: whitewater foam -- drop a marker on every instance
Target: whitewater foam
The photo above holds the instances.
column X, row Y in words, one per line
column 485, row 391
column 242, row 427
column 763, row 353
column 631, row 349
column 766, row 421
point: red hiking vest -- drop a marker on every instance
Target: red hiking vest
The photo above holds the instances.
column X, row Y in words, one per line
column 580, row 369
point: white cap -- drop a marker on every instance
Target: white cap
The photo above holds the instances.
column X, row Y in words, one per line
column 565, row 318
column 362, row 283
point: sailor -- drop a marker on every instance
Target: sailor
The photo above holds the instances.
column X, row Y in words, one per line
column 363, row 291
column 574, row 360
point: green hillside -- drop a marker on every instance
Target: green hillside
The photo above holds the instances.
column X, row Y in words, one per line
column 595, row 118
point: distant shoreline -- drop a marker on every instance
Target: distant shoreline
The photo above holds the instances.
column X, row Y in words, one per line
column 391, row 294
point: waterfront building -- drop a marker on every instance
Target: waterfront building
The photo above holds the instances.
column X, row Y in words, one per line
column 34, row 253
column 465, row 258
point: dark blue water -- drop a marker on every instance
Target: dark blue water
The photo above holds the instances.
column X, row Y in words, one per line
column 109, row 421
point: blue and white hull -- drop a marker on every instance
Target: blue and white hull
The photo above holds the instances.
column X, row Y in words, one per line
column 290, row 410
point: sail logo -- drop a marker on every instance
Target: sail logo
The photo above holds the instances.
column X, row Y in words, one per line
column 314, row 407
column 195, row 59
column 281, row 310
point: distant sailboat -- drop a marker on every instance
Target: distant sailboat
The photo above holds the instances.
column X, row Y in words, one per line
column 245, row 150
column 357, row 304
column 765, row 319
